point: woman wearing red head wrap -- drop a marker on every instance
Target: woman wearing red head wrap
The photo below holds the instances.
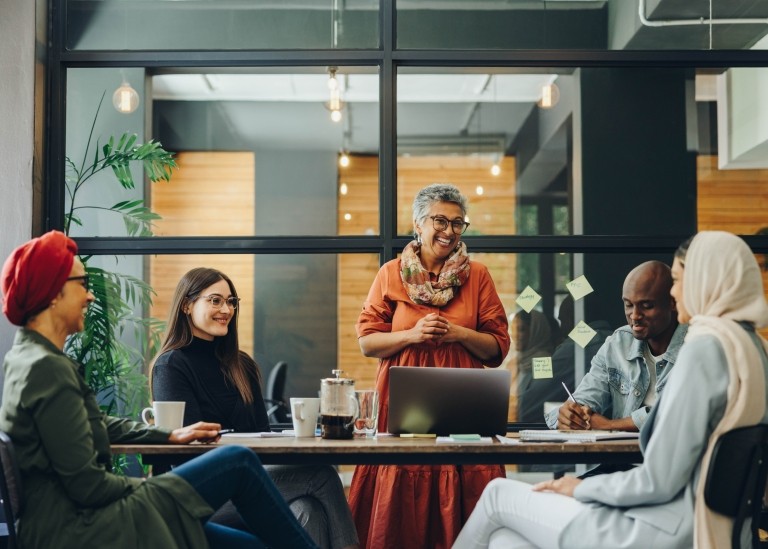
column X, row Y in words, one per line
column 62, row 438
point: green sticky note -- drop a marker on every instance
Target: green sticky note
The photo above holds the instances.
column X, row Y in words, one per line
column 465, row 437
column 528, row 299
column 579, row 287
column 542, row 367
column 582, row 334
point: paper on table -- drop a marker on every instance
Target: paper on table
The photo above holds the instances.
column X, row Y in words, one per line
column 452, row 440
column 267, row 434
column 507, row 440
column 548, row 435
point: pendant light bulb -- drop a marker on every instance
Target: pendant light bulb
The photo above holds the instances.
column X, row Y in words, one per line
column 550, row 95
column 125, row 99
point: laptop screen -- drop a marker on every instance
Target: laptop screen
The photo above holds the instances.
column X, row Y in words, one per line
column 446, row 401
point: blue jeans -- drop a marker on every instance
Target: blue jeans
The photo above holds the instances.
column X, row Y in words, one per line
column 235, row 473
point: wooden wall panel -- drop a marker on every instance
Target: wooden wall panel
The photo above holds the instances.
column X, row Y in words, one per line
column 493, row 212
column 732, row 200
column 210, row 194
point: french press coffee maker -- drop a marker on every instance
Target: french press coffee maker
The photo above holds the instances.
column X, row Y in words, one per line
column 338, row 407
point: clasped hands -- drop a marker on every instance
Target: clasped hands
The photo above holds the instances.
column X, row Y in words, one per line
column 435, row 327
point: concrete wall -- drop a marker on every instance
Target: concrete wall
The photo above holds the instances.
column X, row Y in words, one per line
column 17, row 121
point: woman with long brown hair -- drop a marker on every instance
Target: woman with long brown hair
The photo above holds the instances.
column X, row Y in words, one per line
column 201, row 364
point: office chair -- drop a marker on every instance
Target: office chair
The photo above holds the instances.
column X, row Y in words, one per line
column 736, row 479
column 10, row 488
column 278, row 410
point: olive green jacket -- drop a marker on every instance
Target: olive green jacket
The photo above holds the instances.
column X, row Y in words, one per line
column 62, row 442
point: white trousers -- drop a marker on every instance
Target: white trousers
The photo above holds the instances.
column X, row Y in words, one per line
column 510, row 515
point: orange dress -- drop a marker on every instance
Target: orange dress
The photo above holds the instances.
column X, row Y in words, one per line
column 418, row 506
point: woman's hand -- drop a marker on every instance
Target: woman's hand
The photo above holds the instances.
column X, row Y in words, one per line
column 564, row 485
column 202, row 431
column 431, row 326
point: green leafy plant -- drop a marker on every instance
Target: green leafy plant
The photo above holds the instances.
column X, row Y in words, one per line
column 113, row 368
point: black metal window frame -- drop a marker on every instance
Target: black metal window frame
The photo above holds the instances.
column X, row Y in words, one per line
column 388, row 59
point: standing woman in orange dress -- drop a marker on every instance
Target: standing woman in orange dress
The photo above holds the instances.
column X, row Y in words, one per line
column 433, row 307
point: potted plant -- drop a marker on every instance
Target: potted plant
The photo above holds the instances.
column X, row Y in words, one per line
column 113, row 368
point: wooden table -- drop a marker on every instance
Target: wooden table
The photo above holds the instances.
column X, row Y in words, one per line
column 396, row 451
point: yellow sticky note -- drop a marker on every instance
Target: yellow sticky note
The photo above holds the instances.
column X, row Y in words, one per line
column 582, row 334
column 579, row 287
column 542, row 367
column 528, row 299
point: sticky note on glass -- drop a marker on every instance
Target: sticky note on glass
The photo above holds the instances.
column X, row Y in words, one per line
column 542, row 367
column 582, row 334
column 579, row 287
column 528, row 299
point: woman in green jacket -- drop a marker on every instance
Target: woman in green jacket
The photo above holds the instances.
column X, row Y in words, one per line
column 62, row 438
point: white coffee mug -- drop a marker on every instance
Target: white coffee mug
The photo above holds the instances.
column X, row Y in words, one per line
column 304, row 413
column 167, row 415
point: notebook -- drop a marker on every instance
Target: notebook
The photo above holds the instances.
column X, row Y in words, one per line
column 548, row 435
column 446, row 401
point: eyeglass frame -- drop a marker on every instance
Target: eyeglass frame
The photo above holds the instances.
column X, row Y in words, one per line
column 85, row 278
column 228, row 300
column 452, row 222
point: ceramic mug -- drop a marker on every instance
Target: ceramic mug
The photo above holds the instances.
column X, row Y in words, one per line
column 304, row 413
column 167, row 415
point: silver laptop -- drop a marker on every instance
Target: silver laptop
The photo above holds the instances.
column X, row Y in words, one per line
column 447, row 401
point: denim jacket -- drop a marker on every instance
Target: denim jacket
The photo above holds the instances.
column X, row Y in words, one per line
column 618, row 379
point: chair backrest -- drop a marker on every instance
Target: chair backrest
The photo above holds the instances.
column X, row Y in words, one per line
column 736, row 479
column 277, row 408
column 10, row 487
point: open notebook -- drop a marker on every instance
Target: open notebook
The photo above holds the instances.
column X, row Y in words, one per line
column 548, row 435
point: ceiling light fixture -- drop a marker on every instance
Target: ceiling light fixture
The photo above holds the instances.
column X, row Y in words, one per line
column 550, row 95
column 334, row 104
column 495, row 169
column 344, row 159
column 125, row 99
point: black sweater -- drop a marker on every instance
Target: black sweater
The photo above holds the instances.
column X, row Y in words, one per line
column 193, row 375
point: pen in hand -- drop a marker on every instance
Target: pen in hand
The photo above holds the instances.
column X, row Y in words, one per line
column 574, row 401
column 225, row 431
column 569, row 393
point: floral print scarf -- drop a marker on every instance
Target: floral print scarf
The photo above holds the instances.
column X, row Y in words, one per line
column 415, row 277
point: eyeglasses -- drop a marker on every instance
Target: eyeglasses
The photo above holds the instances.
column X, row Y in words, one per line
column 84, row 278
column 217, row 301
column 441, row 223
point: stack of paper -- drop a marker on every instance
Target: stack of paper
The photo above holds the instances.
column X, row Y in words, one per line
column 547, row 435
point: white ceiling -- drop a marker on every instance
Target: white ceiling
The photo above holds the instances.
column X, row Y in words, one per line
column 355, row 88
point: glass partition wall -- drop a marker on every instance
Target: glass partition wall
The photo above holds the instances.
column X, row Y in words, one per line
column 587, row 140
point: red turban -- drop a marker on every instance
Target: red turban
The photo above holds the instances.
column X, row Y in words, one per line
column 34, row 274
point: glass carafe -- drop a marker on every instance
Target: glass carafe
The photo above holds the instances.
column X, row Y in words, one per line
column 338, row 407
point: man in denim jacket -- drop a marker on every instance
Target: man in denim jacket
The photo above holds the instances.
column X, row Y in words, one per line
column 630, row 369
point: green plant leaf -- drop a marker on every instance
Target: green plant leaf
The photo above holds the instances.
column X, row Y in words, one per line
column 113, row 368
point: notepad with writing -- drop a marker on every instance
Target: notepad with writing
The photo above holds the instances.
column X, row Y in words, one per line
column 548, row 435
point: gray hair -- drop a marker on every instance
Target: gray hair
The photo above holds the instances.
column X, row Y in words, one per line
column 434, row 193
